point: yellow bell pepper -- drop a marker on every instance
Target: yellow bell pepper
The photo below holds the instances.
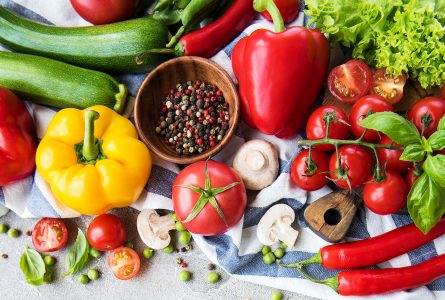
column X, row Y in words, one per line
column 93, row 160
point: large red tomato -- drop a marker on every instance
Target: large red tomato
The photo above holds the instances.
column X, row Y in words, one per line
column 385, row 197
column 365, row 106
column 106, row 232
column 391, row 158
column 224, row 197
column 302, row 172
column 356, row 166
column 316, row 125
column 289, row 10
column 428, row 111
column 105, row 11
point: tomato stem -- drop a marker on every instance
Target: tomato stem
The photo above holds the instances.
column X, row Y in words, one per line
column 359, row 142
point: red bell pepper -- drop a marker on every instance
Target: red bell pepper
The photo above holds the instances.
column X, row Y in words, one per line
column 17, row 139
column 280, row 74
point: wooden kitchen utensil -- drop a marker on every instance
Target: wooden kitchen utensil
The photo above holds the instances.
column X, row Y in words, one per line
column 331, row 215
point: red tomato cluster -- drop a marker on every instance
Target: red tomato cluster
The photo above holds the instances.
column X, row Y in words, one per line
column 352, row 165
column 354, row 79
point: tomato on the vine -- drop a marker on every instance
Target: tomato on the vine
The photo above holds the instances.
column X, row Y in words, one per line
column 124, row 262
column 391, row 158
column 426, row 114
column 365, row 106
column 350, row 81
column 356, row 166
column 289, row 10
column 316, row 125
column 303, row 174
column 211, row 202
column 387, row 196
column 106, row 232
column 411, row 177
column 105, row 11
column 387, row 86
column 49, row 235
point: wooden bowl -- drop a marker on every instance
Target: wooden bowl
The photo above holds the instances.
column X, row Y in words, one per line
column 157, row 85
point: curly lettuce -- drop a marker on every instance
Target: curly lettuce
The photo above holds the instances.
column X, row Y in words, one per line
column 401, row 35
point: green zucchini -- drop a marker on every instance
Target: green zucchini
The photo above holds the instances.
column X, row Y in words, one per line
column 58, row 84
column 109, row 48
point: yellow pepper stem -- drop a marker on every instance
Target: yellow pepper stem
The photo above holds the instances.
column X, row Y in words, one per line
column 90, row 149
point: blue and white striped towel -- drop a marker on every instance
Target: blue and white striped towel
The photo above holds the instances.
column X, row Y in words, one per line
column 237, row 251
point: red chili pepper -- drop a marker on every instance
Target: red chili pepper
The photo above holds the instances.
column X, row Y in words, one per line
column 207, row 41
column 375, row 250
column 17, row 139
column 280, row 74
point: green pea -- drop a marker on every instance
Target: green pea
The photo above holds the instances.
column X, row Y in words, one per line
column 283, row 245
column 265, row 250
column 95, row 253
column 3, row 228
column 148, row 252
column 184, row 237
column 180, row 227
column 83, row 279
column 269, row 258
column 49, row 261
column 13, row 233
column 169, row 249
column 276, row 295
column 174, row 217
column 129, row 245
column 93, row 274
column 212, row 277
column 279, row 252
column 184, row 275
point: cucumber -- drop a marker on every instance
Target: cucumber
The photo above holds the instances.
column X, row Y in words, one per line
column 58, row 84
column 109, row 48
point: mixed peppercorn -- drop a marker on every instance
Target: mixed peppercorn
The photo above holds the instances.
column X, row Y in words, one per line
column 195, row 117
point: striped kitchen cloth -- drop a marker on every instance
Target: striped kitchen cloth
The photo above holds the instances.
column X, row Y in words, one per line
column 237, row 251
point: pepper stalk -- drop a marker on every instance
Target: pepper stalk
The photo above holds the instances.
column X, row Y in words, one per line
column 89, row 151
column 271, row 7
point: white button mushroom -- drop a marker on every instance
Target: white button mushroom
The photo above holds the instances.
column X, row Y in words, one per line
column 257, row 163
column 275, row 226
column 153, row 229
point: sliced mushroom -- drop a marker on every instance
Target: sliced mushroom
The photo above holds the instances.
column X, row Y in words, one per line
column 257, row 163
column 275, row 226
column 153, row 229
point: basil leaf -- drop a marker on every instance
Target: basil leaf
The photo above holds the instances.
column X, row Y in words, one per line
column 393, row 125
column 434, row 166
column 426, row 203
column 437, row 140
column 441, row 125
column 78, row 254
column 413, row 152
column 32, row 266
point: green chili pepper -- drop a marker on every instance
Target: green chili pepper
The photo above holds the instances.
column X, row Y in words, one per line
column 195, row 12
column 181, row 4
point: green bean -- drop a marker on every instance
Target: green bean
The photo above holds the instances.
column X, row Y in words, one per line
column 163, row 4
column 181, row 4
column 168, row 16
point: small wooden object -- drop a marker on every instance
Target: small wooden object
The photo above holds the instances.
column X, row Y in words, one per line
column 157, row 84
column 330, row 216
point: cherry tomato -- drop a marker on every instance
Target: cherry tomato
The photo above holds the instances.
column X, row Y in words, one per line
column 385, row 197
column 289, row 10
column 430, row 110
column 106, row 232
column 350, row 81
column 356, row 164
column 387, row 86
column 232, row 202
column 316, row 127
column 49, row 235
column 303, row 177
column 391, row 158
column 124, row 262
column 105, row 11
column 365, row 106
column 410, row 178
